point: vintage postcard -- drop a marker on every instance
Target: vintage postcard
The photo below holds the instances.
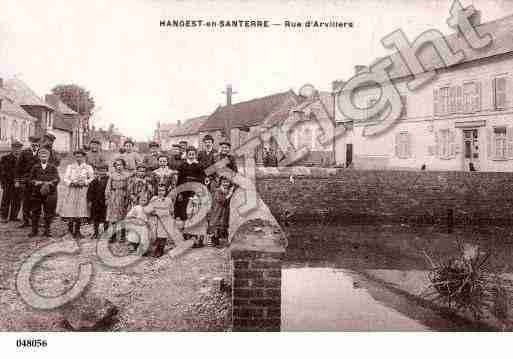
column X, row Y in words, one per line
column 228, row 166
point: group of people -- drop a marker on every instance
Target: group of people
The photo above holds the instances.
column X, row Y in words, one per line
column 105, row 193
column 29, row 179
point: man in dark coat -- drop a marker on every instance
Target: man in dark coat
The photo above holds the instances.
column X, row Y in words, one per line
column 43, row 179
column 48, row 141
column 189, row 171
column 28, row 158
column 151, row 160
column 207, row 158
column 269, row 158
column 10, row 194
column 94, row 156
column 175, row 158
column 224, row 152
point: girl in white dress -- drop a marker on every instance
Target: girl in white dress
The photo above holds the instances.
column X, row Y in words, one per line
column 73, row 200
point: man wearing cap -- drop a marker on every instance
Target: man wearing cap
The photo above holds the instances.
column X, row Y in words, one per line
column 95, row 157
column 28, row 158
column 183, row 149
column 207, row 158
column 175, row 158
column 131, row 158
column 48, row 141
column 43, row 180
column 151, row 160
column 224, row 152
column 10, row 194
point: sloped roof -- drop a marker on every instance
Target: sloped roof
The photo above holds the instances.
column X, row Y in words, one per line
column 9, row 107
column 247, row 113
column 168, row 126
column 23, row 94
column 58, row 105
column 283, row 111
column 189, row 127
column 502, row 42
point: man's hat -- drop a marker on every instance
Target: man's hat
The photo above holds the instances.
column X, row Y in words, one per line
column 140, row 165
column 102, row 167
column 49, row 136
column 34, row 139
column 225, row 142
column 94, row 140
column 128, row 141
column 208, row 138
column 16, row 144
column 153, row 144
column 191, row 148
column 176, row 145
column 79, row 152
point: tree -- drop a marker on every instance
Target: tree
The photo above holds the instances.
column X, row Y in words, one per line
column 76, row 97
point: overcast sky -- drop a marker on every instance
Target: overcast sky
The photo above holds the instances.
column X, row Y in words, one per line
column 140, row 73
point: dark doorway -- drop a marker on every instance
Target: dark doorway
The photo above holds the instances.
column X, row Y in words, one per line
column 349, row 154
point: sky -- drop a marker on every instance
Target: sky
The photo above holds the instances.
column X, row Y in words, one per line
column 140, row 73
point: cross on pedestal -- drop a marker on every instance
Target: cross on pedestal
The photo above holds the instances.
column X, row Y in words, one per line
column 229, row 92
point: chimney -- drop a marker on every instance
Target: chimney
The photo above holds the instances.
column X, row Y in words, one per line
column 229, row 93
column 179, row 123
column 1, row 83
column 359, row 68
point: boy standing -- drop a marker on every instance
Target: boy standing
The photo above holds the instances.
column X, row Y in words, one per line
column 28, row 158
column 43, row 180
column 96, row 199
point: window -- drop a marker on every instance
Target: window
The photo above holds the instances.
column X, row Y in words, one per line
column 3, row 128
column 14, row 129
column 500, row 142
column 444, row 100
column 445, row 147
column 471, row 97
column 499, row 93
column 306, row 138
column 403, row 149
column 404, row 109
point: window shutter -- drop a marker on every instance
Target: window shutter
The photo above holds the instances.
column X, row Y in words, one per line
column 500, row 92
column 459, row 99
column 476, row 97
column 452, row 144
column 509, row 134
column 489, row 143
column 436, row 102
column 410, row 145
column 437, row 144
column 397, row 144
column 452, row 100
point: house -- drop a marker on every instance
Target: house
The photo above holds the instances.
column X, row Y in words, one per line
column 245, row 119
column 110, row 140
column 462, row 117
column 15, row 122
column 66, row 126
column 24, row 96
column 162, row 133
column 188, row 131
column 304, row 123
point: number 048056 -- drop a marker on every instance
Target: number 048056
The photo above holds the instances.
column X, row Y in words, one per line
column 31, row 343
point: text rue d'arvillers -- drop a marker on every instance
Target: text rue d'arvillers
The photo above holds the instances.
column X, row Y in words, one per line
column 187, row 23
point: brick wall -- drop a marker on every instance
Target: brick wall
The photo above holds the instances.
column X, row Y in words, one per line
column 341, row 195
column 256, row 290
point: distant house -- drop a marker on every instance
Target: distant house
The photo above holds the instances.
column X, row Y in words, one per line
column 66, row 126
column 305, row 125
column 245, row 119
column 15, row 122
column 162, row 133
column 188, row 131
column 24, row 96
column 110, row 140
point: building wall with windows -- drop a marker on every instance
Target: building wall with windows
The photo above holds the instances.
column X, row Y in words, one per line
column 464, row 115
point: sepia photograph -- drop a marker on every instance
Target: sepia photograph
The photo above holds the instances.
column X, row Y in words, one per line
column 255, row 166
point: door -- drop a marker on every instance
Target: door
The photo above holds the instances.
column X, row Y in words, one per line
column 349, row 154
column 471, row 149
